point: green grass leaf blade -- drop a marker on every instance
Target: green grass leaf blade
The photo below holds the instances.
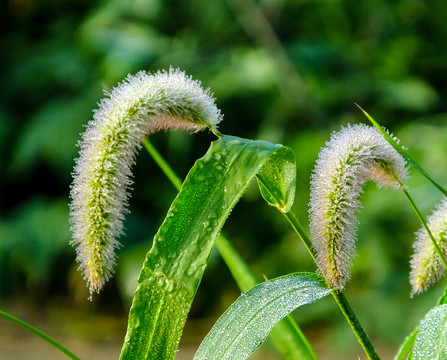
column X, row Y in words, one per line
column 277, row 179
column 290, row 341
column 431, row 340
column 246, row 323
column 443, row 299
column 38, row 333
column 407, row 346
column 286, row 335
column 174, row 266
column 403, row 152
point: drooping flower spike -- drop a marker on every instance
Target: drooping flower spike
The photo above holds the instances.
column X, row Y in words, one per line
column 138, row 106
column 426, row 264
column 353, row 156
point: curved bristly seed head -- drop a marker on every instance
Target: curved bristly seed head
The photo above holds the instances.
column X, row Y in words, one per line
column 141, row 104
column 353, row 156
column 426, row 264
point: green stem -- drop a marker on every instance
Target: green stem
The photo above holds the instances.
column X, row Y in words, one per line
column 424, row 223
column 242, row 274
column 39, row 333
column 353, row 321
column 293, row 220
column 171, row 175
column 413, row 163
column 410, row 340
column 338, row 295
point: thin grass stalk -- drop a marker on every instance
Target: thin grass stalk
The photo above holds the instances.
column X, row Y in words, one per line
column 338, row 295
column 38, row 333
column 424, row 224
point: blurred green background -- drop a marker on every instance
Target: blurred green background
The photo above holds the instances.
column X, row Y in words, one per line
column 287, row 71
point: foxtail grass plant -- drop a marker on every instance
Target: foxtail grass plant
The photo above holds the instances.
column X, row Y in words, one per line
column 174, row 266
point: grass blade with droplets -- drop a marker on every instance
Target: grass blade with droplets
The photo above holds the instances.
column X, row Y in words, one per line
column 431, row 340
column 246, row 324
column 286, row 335
column 174, row 266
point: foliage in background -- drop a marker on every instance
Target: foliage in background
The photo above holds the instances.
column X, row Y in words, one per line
column 58, row 56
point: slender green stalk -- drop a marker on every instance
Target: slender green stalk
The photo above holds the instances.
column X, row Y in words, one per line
column 39, row 333
column 293, row 220
column 424, row 223
column 338, row 295
column 170, row 174
column 415, row 165
column 242, row 274
column 410, row 340
column 287, row 329
column 353, row 321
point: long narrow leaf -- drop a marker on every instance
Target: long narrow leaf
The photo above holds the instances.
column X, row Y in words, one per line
column 431, row 340
column 246, row 324
column 286, row 335
column 174, row 266
column 402, row 151
column 407, row 346
column 38, row 333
